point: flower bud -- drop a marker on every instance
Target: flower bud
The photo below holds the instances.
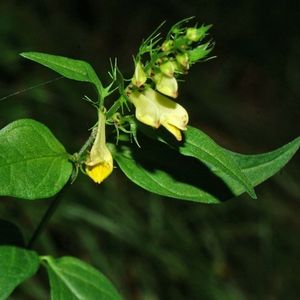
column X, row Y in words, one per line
column 166, row 85
column 167, row 45
column 183, row 60
column 193, row 34
column 167, row 68
column 139, row 76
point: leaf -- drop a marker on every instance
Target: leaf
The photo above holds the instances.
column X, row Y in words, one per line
column 164, row 168
column 260, row 167
column 10, row 234
column 70, row 68
column 164, row 171
column 16, row 265
column 71, row 279
column 199, row 145
column 33, row 163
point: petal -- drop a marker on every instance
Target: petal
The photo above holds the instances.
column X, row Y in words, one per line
column 100, row 171
column 146, row 110
column 169, row 111
column 174, row 130
column 167, row 85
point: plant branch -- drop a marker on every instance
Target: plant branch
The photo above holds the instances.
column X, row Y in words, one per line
column 46, row 218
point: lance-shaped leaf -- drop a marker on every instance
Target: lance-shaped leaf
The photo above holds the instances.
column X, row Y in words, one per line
column 70, row 68
column 199, row 145
column 260, row 167
column 16, row 265
column 166, row 170
column 72, row 279
column 33, row 163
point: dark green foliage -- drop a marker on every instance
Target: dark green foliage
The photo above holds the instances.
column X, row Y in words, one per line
column 246, row 99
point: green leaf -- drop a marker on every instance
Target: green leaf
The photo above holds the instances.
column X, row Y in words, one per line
column 71, row 279
column 10, row 234
column 16, row 265
column 260, row 167
column 70, row 68
column 33, row 163
column 174, row 170
column 199, row 145
column 164, row 171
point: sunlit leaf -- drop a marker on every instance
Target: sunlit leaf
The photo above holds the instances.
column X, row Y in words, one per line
column 191, row 170
column 70, row 68
column 33, row 163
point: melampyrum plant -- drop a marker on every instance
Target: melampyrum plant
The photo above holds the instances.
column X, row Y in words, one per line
column 139, row 122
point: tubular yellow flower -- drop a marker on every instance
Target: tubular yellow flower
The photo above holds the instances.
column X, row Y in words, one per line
column 154, row 109
column 99, row 163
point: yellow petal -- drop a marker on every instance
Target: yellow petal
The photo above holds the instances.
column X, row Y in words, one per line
column 169, row 111
column 154, row 109
column 174, row 130
column 100, row 171
column 145, row 110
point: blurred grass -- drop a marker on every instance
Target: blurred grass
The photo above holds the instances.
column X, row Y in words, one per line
column 247, row 99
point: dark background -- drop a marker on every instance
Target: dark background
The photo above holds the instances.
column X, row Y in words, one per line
column 247, row 99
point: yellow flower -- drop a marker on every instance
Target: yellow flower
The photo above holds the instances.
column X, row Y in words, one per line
column 99, row 163
column 154, row 109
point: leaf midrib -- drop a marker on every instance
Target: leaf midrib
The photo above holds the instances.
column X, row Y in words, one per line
column 231, row 172
column 59, row 65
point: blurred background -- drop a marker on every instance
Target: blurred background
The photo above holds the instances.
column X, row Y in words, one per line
column 247, row 99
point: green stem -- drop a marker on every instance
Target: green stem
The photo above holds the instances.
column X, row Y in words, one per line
column 46, row 218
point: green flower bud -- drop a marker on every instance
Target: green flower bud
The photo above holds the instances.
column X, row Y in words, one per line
column 183, row 60
column 196, row 34
column 193, row 34
column 168, row 68
column 167, row 45
column 139, row 76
